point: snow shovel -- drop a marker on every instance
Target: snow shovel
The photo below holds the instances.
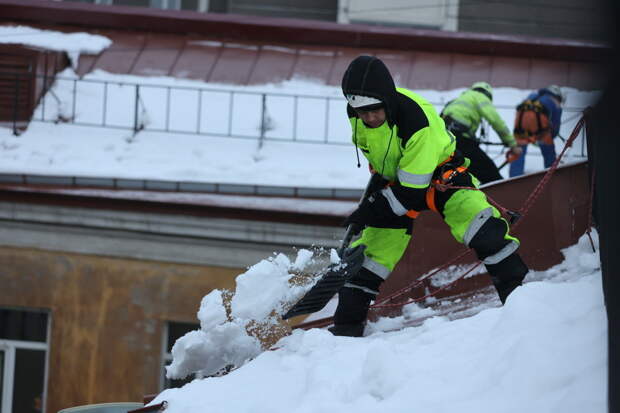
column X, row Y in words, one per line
column 336, row 275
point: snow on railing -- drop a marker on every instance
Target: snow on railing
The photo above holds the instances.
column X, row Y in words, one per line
column 261, row 116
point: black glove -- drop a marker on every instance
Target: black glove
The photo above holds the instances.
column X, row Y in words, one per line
column 375, row 211
column 353, row 258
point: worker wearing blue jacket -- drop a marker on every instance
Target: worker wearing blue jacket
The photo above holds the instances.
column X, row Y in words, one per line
column 538, row 121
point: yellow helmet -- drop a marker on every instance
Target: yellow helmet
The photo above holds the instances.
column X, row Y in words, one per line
column 484, row 88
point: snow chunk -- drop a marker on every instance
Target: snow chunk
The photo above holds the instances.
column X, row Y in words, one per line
column 261, row 289
column 224, row 345
column 302, row 260
column 212, row 311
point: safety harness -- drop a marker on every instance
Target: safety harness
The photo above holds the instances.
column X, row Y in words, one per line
column 442, row 179
column 523, row 133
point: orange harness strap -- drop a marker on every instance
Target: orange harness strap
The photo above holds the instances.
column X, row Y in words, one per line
column 430, row 198
column 430, row 193
column 412, row 213
column 441, row 184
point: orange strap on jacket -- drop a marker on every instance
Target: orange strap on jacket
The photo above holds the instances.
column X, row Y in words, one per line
column 442, row 182
column 430, row 193
column 430, row 198
column 412, row 213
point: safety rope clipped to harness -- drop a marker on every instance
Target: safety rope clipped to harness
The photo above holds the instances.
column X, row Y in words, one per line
column 443, row 182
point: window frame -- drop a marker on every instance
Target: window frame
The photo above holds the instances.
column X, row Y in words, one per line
column 9, row 347
column 166, row 356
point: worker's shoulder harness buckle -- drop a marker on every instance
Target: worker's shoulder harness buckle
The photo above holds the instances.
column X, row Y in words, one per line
column 447, row 173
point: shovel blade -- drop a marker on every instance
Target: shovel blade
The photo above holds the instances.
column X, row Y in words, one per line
column 319, row 295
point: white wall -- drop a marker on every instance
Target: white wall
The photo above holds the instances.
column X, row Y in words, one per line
column 432, row 14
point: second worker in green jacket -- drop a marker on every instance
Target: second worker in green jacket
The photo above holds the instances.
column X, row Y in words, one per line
column 463, row 116
column 405, row 141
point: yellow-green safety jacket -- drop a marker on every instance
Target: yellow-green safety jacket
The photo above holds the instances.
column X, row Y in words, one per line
column 470, row 108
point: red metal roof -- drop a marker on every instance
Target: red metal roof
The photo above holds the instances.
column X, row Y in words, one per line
column 253, row 50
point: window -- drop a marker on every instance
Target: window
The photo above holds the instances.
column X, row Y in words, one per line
column 143, row 3
column 192, row 5
column 172, row 332
column 196, row 5
column 91, row 1
column 23, row 360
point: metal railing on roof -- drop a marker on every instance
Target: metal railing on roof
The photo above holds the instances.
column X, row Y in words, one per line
column 228, row 113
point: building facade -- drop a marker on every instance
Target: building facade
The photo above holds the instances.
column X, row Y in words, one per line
column 552, row 18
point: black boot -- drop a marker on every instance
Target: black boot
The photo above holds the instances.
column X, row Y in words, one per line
column 507, row 275
column 350, row 315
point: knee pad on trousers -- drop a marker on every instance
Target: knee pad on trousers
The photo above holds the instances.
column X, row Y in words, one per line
column 507, row 275
column 490, row 238
column 365, row 280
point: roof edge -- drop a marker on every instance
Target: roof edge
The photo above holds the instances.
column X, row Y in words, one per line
column 299, row 31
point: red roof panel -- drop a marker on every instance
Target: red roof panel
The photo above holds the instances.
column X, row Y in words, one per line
column 399, row 65
column 547, row 72
column 467, row 69
column 159, row 55
column 274, row 64
column 121, row 56
column 197, row 59
column 321, row 51
column 314, row 62
column 510, row 71
column 235, row 63
column 586, row 76
column 430, row 71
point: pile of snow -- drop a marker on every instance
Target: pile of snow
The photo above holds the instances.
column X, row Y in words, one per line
column 235, row 327
column 544, row 351
column 73, row 44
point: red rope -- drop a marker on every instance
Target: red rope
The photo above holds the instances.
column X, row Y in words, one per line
column 379, row 305
column 543, row 182
column 523, row 211
column 419, row 281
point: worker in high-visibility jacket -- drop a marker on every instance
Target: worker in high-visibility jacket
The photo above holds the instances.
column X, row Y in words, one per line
column 463, row 117
column 406, row 141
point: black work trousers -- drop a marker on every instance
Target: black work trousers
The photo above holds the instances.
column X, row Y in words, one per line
column 482, row 167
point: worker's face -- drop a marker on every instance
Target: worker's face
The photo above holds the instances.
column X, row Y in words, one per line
column 372, row 118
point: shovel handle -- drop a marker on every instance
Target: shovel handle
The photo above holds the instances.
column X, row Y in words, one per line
column 352, row 229
column 375, row 182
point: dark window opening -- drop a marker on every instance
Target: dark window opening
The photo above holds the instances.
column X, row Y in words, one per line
column 140, row 3
column 175, row 331
column 28, row 381
column 189, row 4
column 178, row 330
column 23, row 325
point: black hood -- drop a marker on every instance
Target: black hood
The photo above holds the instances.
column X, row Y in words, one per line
column 368, row 76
